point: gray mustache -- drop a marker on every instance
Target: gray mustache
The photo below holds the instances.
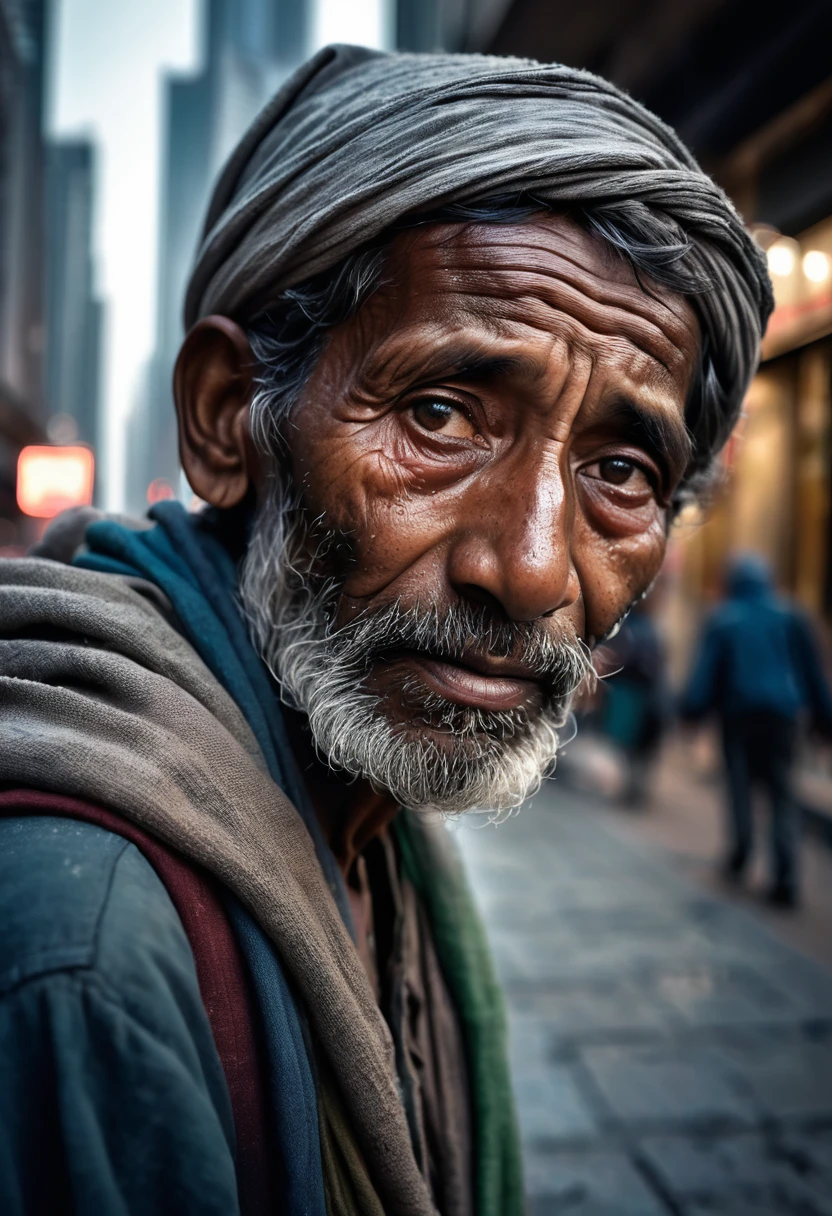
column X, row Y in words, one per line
column 462, row 630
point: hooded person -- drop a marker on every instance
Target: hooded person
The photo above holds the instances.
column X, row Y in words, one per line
column 760, row 672
column 462, row 334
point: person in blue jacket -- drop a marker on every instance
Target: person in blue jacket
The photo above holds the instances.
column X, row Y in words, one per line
column 760, row 671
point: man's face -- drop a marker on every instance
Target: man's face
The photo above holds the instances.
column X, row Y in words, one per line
column 493, row 440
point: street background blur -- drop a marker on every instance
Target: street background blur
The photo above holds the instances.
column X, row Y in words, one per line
column 114, row 120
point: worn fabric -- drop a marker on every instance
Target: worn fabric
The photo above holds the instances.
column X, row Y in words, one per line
column 430, row 1049
column 185, row 558
column 432, row 863
column 117, row 708
column 435, row 1051
column 99, row 999
column 220, row 972
column 358, row 139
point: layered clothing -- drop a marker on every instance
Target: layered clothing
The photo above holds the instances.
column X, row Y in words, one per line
column 128, row 681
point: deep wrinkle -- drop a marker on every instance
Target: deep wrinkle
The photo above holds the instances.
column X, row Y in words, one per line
column 432, row 518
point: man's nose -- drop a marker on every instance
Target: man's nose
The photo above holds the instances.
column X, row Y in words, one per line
column 513, row 547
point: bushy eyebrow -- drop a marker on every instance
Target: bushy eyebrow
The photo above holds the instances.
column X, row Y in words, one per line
column 464, row 362
column 662, row 433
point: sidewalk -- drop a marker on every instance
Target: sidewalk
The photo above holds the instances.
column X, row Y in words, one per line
column 670, row 1055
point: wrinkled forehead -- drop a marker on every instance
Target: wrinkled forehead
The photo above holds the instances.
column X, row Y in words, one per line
column 526, row 283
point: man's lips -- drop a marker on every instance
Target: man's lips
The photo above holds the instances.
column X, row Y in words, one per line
column 480, row 682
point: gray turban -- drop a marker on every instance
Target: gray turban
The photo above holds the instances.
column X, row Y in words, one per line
column 357, row 139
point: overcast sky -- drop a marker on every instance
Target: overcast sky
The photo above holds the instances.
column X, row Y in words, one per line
column 108, row 59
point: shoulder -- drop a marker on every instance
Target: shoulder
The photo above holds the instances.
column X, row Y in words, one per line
column 86, row 919
column 76, row 896
column 112, row 1090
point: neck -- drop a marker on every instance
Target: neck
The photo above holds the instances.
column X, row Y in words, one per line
column 350, row 812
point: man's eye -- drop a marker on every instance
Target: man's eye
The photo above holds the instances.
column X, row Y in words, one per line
column 618, row 471
column 444, row 418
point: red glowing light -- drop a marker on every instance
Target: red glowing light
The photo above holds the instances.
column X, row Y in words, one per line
column 159, row 490
column 51, row 479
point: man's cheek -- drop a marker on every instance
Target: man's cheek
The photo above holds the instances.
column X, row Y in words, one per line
column 398, row 543
column 614, row 574
column 385, row 529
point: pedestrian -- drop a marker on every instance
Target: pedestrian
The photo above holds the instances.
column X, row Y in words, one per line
column 637, row 703
column 760, row 672
column 462, row 333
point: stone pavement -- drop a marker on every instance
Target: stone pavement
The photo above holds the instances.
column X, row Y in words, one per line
column 669, row 1055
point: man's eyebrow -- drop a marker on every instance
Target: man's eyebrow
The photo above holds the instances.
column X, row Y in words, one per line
column 661, row 432
column 466, row 362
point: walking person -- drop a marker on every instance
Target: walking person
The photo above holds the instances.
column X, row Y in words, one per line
column 759, row 670
column 637, row 705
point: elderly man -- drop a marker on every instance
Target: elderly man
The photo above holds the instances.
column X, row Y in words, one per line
column 463, row 332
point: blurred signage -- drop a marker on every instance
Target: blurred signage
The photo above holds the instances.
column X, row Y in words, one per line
column 50, row 479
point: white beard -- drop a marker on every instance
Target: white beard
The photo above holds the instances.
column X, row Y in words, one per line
column 448, row 757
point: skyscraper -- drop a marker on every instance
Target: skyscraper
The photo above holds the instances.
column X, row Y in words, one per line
column 21, row 241
column 250, row 46
column 73, row 314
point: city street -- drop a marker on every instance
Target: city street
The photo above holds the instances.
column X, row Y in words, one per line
column 670, row 1053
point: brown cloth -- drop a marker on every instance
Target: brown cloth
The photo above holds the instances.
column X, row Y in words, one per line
column 403, row 966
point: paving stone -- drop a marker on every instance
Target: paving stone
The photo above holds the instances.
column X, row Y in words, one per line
column 702, row 1166
column 588, row 1184
column 592, row 1008
column 811, row 1150
column 657, row 1032
column 789, row 1078
column 792, row 1201
column 686, row 1086
column 718, row 995
column 551, row 1106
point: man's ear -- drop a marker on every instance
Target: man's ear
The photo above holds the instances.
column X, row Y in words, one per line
column 212, row 386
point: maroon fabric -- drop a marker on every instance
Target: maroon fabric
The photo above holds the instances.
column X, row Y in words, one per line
column 220, row 970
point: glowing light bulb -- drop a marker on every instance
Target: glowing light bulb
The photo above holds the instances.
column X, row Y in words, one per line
column 816, row 266
column 780, row 259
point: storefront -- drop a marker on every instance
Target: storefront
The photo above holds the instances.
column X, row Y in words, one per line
column 777, row 496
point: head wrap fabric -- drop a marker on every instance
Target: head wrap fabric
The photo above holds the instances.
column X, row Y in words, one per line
column 357, row 139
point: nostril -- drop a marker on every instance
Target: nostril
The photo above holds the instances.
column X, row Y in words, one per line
column 482, row 598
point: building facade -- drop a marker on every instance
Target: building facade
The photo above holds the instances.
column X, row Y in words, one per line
column 22, row 400
column 74, row 314
column 250, row 46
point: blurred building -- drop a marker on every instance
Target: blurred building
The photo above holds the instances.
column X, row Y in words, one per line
column 449, row 25
column 250, row 46
column 22, row 406
column 74, row 316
